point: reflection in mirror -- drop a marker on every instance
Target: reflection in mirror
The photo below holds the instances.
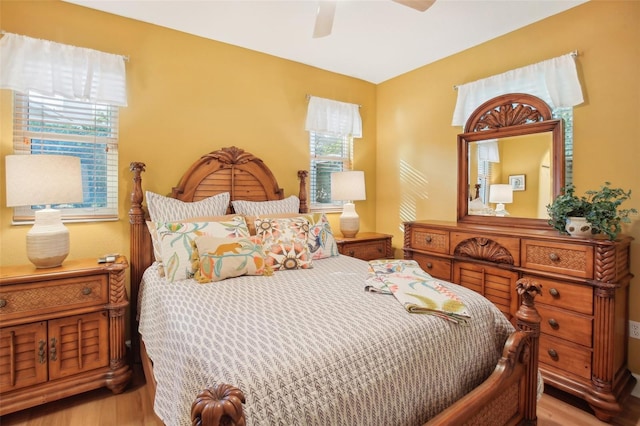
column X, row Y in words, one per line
column 510, row 139
column 525, row 160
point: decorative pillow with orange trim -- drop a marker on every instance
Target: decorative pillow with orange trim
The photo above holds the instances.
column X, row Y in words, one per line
column 222, row 258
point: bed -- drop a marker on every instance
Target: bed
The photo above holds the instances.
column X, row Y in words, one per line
column 309, row 345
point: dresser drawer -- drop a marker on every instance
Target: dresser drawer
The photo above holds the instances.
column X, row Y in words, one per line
column 578, row 298
column 365, row 250
column 434, row 266
column 426, row 239
column 565, row 356
column 565, row 324
column 570, row 259
column 35, row 298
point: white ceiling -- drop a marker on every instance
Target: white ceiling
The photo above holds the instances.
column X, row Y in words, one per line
column 373, row 40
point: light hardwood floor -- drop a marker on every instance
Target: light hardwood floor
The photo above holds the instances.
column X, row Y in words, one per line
column 134, row 408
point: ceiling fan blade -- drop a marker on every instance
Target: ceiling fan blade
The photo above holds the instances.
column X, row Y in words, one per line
column 324, row 18
column 420, row 5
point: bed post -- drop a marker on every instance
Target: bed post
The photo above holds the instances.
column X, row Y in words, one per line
column 137, row 234
column 528, row 320
column 302, row 175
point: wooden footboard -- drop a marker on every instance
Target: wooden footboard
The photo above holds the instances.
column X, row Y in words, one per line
column 507, row 397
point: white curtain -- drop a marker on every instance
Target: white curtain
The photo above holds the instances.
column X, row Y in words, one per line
column 58, row 69
column 333, row 117
column 555, row 81
column 488, row 151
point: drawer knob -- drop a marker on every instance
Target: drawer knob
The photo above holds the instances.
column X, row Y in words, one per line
column 554, row 292
column 429, row 265
column 351, row 253
column 554, row 257
column 428, row 239
column 553, row 353
column 379, row 250
column 86, row 291
column 3, row 303
column 553, row 323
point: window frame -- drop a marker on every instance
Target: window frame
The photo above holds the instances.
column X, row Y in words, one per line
column 344, row 160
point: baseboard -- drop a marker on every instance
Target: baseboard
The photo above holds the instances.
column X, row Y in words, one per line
column 636, row 390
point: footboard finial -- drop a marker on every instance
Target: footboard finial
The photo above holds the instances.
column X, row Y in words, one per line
column 218, row 406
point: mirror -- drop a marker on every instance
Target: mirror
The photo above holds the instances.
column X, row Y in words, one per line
column 510, row 140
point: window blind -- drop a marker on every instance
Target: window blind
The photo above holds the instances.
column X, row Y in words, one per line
column 53, row 125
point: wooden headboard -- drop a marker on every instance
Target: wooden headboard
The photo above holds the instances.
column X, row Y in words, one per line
column 232, row 170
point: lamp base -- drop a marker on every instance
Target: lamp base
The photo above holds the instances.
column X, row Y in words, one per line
column 48, row 240
column 500, row 210
column 349, row 221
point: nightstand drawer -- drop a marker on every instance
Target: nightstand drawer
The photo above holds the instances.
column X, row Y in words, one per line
column 365, row 250
column 40, row 297
column 570, row 259
column 566, row 325
column 565, row 356
column 434, row 240
column 434, row 266
column 578, row 298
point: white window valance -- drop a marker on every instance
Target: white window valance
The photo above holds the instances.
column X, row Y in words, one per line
column 55, row 69
column 555, row 81
column 333, row 117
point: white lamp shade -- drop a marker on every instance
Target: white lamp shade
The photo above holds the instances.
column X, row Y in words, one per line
column 348, row 186
column 43, row 179
column 501, row 193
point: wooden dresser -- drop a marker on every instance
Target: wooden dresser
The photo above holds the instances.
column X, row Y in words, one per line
column 584, row 305
column 62, row 331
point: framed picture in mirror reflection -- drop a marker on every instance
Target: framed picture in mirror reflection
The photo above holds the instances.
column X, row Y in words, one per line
column 517, row 182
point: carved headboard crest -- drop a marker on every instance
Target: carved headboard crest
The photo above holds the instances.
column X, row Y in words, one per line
column 231, row 155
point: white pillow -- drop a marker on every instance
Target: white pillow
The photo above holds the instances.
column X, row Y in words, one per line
column 166, row 209
column 257, row 208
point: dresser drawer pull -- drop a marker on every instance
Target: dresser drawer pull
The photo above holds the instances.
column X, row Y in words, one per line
column 86, row 291
column 379, row 250
column 553, row 354
column 41, row 354
column 554, row 257
column 429, row 265
column 553, row 323
column 554, row 292
column 428, row 239
column 3, row 303
column 53, row 351
column 351, row 253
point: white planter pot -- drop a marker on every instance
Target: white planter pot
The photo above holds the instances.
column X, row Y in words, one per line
column 578, row 227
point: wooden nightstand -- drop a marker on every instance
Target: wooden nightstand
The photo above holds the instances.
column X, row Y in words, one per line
column 366, row 246
column 62, row 331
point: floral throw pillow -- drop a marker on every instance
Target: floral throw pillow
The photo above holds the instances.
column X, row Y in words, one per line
column 221, row 258
column 176, row 242
column 285, row 242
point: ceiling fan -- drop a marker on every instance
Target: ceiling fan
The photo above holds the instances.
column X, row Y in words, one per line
column 327, row 10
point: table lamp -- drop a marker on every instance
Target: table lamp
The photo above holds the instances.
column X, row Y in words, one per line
column 501, row 194
column 44, row 179
column 349, row 187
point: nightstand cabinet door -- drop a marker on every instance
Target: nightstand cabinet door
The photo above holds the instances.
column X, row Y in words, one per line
column 78, row 344
column 23, row 356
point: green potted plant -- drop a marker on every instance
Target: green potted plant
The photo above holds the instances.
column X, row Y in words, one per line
column 599, row 208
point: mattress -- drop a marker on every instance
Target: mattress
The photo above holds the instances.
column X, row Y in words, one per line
column 311, row 347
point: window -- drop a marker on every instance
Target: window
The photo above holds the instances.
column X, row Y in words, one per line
column 329, row 153
column 53, row 125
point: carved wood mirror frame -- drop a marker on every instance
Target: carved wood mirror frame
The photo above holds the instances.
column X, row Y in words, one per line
column 509, row 115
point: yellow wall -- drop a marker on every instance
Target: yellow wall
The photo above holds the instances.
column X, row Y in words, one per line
column 417, row 145
column 188, row 96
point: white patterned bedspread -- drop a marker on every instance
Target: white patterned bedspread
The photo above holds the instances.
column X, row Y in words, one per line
column 311, row 347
